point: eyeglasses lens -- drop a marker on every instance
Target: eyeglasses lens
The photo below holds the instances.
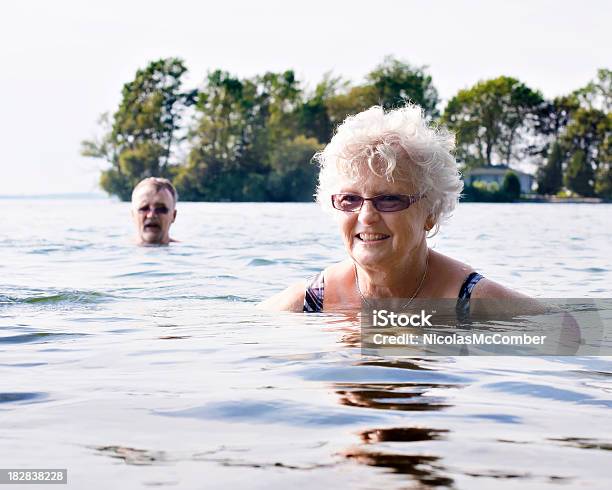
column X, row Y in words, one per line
column 347, row 202
column 389, row 204
column 351, row 203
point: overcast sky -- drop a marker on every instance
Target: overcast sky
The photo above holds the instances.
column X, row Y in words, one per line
column 63, row 63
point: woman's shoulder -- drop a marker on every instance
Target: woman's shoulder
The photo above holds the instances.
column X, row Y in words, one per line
column 290, row 299
column 294, row 297
column 448, row 275
column 456, row 273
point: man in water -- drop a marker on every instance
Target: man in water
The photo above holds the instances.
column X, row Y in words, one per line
column 154, row 210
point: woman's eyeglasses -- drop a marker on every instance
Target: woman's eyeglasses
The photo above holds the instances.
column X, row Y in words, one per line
column 386, row 203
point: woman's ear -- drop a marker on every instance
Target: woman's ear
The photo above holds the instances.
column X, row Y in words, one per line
column 429, row 223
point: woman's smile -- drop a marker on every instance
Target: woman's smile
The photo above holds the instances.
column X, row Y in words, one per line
column 371, row 238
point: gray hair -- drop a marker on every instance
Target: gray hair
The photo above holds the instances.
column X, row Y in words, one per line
column 398, row 145
column 159, row 183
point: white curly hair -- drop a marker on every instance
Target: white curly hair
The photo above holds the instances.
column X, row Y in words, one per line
column 398, row 145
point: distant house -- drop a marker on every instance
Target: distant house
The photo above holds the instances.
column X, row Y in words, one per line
column 496, row 173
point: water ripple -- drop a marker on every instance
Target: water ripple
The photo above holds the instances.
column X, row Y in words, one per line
column 40, row 337
column 272, row 412
column 546, row 392
column 22, row 397
column 50, row 297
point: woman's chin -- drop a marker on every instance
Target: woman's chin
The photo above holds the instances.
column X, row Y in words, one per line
column 370, row 258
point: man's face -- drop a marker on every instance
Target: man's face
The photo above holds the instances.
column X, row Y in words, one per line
column 153, row 212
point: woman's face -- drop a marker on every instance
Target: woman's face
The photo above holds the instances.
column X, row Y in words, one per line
column 377, row 239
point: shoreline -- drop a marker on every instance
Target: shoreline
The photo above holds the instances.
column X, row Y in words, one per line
column 564, row 200
column 526, row 198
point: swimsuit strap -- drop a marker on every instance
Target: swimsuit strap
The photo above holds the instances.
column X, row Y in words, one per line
column 313, row 297
column 315, row 292
column 465, row 293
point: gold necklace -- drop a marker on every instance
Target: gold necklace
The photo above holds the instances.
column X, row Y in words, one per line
column 404, row 306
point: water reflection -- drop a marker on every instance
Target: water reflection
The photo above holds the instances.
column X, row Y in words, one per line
column 392, row 396
column 132, row 455
column 425, row 469
column 584, row 443
column 415, row 364
column 413, row 396
column 402, row 434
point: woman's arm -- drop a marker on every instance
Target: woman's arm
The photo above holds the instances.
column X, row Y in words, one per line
column 291, row 299
column 489, row 289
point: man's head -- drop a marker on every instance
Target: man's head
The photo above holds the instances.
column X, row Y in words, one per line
column 154, row 210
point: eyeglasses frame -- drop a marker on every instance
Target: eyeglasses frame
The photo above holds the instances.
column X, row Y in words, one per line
column 412, row 199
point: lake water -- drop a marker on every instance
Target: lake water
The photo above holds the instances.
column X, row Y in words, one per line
column 150, row 367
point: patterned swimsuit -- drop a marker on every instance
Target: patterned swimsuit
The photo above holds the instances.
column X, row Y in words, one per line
column 315, row 292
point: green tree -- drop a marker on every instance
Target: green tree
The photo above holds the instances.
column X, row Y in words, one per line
column 587, row 140
column 218, row 140
column 603, row 181
column 104, row 146
column 590, row 128
column 390, row 84
column 293, row 177
column 598, row 92
column 279, row 97
column 512, row 186
column 557, row 114
column 578, row 127
column 144, row 129
column 551, row 120
column 314, row 114
column 395, row 82
column 239, row 126
column 494, row 120
column 351, row 101
column 579, row 176
column 550, row 176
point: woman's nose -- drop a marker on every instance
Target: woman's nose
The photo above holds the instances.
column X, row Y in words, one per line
column 368, row 213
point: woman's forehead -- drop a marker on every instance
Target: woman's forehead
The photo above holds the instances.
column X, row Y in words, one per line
column 372, row 184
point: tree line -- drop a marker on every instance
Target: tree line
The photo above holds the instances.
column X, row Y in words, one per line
column 252, row 138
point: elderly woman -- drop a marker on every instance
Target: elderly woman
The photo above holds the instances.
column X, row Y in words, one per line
column 390, row 180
